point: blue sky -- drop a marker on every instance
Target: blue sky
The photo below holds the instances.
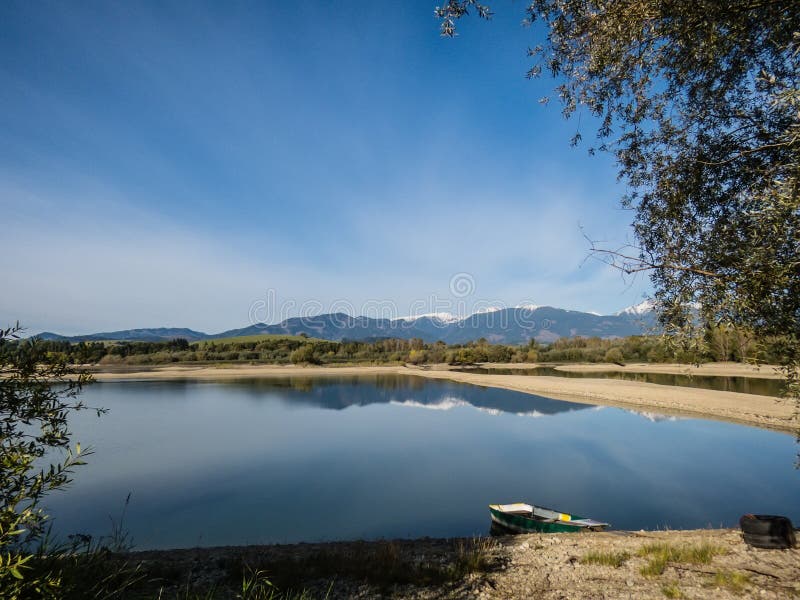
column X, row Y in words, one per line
column 173, row 164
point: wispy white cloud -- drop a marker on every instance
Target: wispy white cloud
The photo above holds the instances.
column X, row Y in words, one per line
column 87, row 258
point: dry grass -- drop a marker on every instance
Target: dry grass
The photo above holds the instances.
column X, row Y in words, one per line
column 608, row 559
column 473, row 556
column 734, row 581
column 660, row 553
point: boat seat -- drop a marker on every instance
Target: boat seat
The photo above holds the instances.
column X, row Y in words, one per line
column 589, row 523
column 577, row 522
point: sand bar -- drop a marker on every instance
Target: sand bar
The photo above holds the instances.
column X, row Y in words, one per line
column 728, row 369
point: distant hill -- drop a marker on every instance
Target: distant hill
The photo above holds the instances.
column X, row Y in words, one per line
column 504, row 326
column 501, row 326
column 158, row 334
column 259, row 338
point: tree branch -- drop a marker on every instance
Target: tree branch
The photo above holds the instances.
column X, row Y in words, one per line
column 635, row 264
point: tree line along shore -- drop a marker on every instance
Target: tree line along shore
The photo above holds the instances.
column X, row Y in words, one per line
column 721, row 345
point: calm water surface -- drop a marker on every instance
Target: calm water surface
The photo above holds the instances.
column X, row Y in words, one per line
column 342, row 458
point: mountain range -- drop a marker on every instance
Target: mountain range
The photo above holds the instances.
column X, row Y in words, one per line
column 501, row 326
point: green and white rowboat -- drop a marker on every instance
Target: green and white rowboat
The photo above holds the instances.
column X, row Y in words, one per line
column 526, row 518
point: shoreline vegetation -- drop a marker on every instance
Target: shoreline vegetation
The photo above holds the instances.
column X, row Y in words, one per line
column 720, row 345
column 748, row 409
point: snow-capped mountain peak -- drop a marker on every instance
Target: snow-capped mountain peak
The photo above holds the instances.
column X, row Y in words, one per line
column 443, row 317
column 487, row 309
column 527, row 306
column 638, row 309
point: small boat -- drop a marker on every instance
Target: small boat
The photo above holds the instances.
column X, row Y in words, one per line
column 526, row 518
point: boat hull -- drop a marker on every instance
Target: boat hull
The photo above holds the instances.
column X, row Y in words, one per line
column 516, row 523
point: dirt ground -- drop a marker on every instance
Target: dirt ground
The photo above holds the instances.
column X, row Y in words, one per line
column 551, row 567
column 527, row 566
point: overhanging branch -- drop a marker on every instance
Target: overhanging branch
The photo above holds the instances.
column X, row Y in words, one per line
column 622, row 259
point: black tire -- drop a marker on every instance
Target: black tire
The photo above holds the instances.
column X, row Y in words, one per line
column 767, row 531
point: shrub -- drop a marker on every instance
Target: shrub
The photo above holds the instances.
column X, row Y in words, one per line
column 614, row 355
column 37, row 394
column 304, row 355
column 417, row 357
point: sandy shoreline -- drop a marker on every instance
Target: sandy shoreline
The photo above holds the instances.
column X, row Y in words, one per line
column 723, row 369
column 748, row 409
column 728, row 369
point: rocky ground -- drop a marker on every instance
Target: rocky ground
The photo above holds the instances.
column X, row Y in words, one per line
column 560, row 566
column 653, row 564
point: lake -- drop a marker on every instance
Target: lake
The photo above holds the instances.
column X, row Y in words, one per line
column 301, row 459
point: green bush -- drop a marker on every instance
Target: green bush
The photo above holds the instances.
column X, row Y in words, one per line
column 614, row 355
column 304, row 355
column 38, row 392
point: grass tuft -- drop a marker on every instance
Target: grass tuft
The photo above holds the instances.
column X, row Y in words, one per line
column 661, row 553
column 473, row 556
column 671, row 590
column 732, row 580
column 608, row 559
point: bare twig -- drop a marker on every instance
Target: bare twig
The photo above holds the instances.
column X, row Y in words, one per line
column 629, row 264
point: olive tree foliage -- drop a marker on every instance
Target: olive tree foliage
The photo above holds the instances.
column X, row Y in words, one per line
column 699, row 102
column 37, row 395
